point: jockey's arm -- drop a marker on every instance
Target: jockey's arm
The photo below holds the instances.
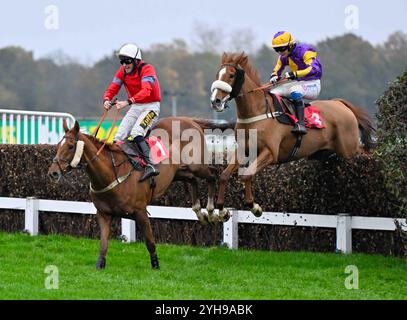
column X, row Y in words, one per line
column 308, row 60
column 279, row 68
column 114, row 87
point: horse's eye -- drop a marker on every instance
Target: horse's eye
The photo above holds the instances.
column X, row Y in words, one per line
column 232, row 75
column 70, row 147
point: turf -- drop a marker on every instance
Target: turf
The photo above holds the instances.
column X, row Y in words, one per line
column 188, row 272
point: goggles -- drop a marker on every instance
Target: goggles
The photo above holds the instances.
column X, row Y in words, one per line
column 126, row 61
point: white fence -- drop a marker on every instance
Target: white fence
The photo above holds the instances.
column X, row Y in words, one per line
column 343, row 223
column 32, row 127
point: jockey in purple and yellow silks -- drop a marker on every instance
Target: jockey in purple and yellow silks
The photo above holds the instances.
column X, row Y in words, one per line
column 306, row 73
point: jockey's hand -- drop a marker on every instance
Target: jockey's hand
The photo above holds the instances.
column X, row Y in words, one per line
column 274, row 79
column 107, row 104
column 290, row 75
column 121, row 104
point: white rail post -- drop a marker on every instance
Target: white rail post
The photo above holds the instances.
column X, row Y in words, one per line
column 230, row 231
column 128, row 230
column 31, row 216
column 344, row 233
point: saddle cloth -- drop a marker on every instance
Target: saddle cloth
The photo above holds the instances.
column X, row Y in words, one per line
column 286, row 108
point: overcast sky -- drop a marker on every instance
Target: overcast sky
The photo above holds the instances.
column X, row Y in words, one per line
column 89, row 30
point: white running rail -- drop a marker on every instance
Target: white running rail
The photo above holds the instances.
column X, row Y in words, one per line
column 343, row 223
column 32, row 127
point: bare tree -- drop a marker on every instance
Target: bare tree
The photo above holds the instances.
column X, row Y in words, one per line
column 242, row 40
column 209, row 39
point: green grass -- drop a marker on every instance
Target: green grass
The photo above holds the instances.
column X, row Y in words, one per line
column 188, row 272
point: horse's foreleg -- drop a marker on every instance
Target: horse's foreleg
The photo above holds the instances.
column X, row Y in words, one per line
column 265, row 158
column 104, row 221
column 145, row 227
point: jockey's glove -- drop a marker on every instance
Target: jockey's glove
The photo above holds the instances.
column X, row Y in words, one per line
column 290, row 75
column 107, row 104
column 273, row 79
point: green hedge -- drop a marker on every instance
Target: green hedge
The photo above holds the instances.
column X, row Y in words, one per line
column 322, row 187
column 392, row 139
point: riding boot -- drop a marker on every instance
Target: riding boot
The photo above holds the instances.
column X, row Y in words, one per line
column 150, row 170
column 299, row 110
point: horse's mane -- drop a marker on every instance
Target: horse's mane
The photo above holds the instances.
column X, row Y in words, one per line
column 242, row 59
column 98, row 143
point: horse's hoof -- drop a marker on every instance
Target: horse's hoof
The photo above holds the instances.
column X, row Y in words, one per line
column 203, row 219
column 213, row 218
column 155, row 265
column 211, row 210
column 224, row 215
column 101, row 264
column 257, row 210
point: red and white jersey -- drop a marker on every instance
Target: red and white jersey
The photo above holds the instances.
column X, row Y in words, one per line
column 141, row 87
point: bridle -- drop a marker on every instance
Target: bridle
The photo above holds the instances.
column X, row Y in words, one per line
column 235, row 89
column 72, row 164
column 76, row 160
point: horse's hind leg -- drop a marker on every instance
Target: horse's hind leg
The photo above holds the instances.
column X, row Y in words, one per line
column 187, row 175
column 104, row 221
column 223, row 180
column 145, row 227
column 209, row 174
column 196, row 203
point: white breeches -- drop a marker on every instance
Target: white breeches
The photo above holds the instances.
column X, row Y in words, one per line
column 138, row 120
column 309, row 90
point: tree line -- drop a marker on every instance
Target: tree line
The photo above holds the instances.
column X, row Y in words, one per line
column 353, row 69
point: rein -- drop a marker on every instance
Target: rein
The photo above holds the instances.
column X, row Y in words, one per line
column 118, row 180
column 79, row 150
column 116, row 115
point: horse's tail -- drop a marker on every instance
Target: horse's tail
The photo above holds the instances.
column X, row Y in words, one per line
column 365, row 125
column 211, row 124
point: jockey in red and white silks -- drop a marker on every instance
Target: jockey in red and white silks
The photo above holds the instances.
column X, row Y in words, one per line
column 143, row 91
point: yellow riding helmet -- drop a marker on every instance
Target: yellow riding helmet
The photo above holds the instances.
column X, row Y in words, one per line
column 282, row 39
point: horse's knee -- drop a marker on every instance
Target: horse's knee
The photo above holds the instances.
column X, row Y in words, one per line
column 223, row 178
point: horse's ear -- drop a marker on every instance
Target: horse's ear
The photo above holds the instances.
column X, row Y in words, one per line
column 224, row 56
column 243, row 58
column 76, row 127
column 65, row 126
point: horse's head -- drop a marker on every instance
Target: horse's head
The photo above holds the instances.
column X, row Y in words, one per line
column 69, row 152
column 229, row 82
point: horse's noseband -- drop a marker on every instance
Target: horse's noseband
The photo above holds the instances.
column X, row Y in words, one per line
column 76, row 158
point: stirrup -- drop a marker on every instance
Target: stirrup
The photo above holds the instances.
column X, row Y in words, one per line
column 299, row 129
column 148, row 174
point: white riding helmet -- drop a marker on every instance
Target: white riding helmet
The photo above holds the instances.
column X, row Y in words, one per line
column 130, row 50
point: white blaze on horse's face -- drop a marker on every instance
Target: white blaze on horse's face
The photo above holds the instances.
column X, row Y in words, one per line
column 220, row 92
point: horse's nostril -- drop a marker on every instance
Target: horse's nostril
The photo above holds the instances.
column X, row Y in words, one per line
column 54, row 174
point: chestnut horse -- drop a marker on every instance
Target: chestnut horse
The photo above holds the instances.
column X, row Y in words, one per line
column 114, row 186
column 236, row 79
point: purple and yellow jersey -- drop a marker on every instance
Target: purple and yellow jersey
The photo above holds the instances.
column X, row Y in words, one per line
column 303, row 61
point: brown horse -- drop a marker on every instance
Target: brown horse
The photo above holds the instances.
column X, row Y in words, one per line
column 236, row 79
column 114, row 186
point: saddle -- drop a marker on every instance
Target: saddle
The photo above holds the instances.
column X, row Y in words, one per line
column 158, row 152
column 134, row 154
column 285, row 110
